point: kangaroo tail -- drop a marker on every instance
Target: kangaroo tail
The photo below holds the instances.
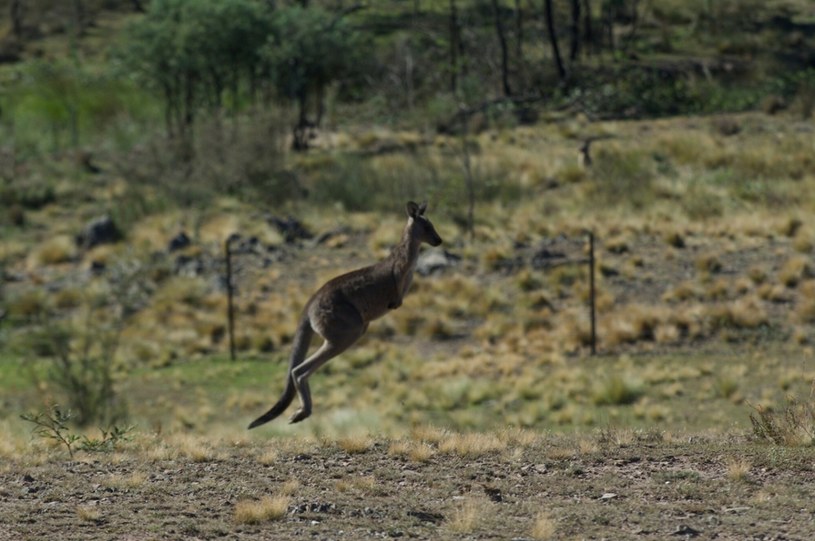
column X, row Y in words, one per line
column 302, row 339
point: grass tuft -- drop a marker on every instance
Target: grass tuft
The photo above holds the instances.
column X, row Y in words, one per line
column 738, row 468
column 266, row 509
column 616, row 391
column 355, row 444
column 88, row 513
column 472, row 444
column 467, row 516
column 791, row 426
column 415, row 451
column 543, row 527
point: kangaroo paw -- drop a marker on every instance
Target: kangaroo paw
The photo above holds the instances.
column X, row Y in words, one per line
column 298, row 416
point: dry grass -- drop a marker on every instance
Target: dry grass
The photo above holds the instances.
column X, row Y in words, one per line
column 195, row 448
column 355, row 444
column 415, row 451
column 544, row 527
column 56, row 250
column 269, row 456
column 126, row 482
column 268, row 508
column 795, row 270
column 289, row 488
column 468, row 515
column 366, row 484
column 88, row 513
column 472, row 444
column 738, row 468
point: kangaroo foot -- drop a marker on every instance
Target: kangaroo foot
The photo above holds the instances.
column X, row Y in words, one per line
column 299, row 415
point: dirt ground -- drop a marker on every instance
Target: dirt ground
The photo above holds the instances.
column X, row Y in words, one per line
column 612, row 486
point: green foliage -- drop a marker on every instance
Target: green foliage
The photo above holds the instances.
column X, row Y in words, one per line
column 358, row 183
column 197, row 54
column 793, row 425
column 53, row 425
column 32, row 194
column 54, row 104
column 615, row 391
column 242, row 157
column 622, row 177
column 310, row 47
column 82, row 367
column 81, row 353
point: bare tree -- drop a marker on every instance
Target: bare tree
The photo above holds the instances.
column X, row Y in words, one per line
column 550, row 28
column 454, row 47
column 502, row 41
column 17, row 18
column 79, row 17
column 519, row 31
column 587, row 26
column 574, row 48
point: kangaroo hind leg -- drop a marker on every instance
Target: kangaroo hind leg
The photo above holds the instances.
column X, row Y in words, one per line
column 300, row 374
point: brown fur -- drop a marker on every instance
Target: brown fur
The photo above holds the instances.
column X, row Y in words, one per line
column 341, row 310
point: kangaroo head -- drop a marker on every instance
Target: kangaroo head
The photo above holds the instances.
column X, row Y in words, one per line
column 420, row 227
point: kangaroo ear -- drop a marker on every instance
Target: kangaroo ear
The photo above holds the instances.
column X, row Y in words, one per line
column 422, row 208
column 412, row 209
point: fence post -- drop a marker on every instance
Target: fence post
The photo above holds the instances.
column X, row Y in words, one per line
column 592, row 309
column 230, row 312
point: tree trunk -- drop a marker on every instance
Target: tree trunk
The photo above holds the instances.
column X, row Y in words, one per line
column 17, row 18
column 608, row 25
column 587, row 28
column 574, row 47
column 79, row 17
column 300, row 133
column 550, row 27
column 453, row 47
column 519, row 32
column 502, row 41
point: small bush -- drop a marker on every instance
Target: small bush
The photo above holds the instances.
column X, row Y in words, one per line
column 795, row 270
column 793, row 425
column 266, row 509
column 616, row 391
column 467, row 516
column 59, row 249
column 53, row 424
column 622, row 177
column 543, row 527
column 31, row 195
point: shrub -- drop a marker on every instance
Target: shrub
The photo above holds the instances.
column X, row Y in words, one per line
column 82, row 353
column 616, row 391
column 241, row 157
column 793, row 425
column 622, row 177
column 266, row 509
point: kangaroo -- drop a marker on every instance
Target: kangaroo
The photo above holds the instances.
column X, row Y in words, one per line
column 341, row 310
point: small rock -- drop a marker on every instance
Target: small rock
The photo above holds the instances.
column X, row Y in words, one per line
column 188, row 266
column 494, row 494
column 431, row 261
column 97, row 267
column 687, row 531
column 291, row 228
column 425, row 516
column 178, row 242
column 101, row 230
column 544, row 258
